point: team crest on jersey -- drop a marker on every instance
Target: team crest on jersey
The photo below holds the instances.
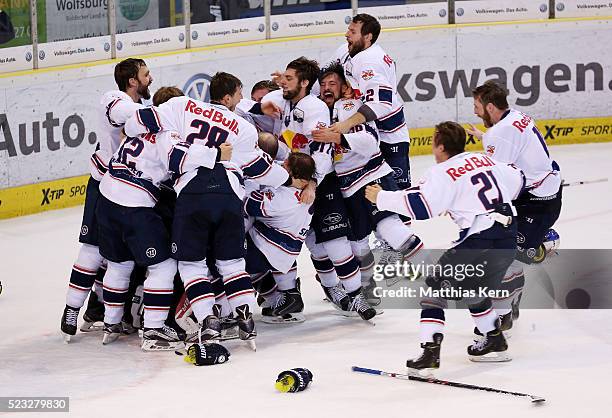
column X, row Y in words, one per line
column 348, row 106
column 298, row 115
column 367, row 74
column 490, row 149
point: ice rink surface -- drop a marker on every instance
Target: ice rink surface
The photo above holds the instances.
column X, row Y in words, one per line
column 564, row 356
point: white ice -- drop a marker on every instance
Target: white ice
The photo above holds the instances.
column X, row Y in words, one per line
column 564, row 356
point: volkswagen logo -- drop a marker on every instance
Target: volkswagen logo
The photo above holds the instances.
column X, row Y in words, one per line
column 459, row 11
column 198, row 87
column 332, row 218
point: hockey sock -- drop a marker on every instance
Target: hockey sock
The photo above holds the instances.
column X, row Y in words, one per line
column 432, row 322
column 393, row 230
column 158, row 290
column 98, row 288
column 286, row 281
column 116, row 284
column 484, row 316
column 346, row 265
column 221, row 296
column 321, row 262
column 83, row 275
column 513, row 283
column 365, row 257
column 237, row 283
column 198, row 288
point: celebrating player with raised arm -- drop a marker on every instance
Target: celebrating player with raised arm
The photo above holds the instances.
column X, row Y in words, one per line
column 477, row 192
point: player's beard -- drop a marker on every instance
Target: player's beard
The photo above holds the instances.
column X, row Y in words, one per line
column 291, row 94
column 356, row 47
column 486, row 118
column 144, row 92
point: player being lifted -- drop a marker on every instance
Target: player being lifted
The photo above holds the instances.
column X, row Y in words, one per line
column 133, row 79
column 300, row 114
column 513, row 138
column 209, row 204
column 477, row 192
column 358, row 162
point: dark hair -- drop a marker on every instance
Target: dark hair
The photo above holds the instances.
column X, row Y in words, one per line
column 452, row 136
column 492, row 92
column 163, row 94
column 126, row 69
column 268, row 143
column 264, row 84
column 301, row 166
column 222, row 84
column 333, row 68
column 369, row 24
column 306, row 70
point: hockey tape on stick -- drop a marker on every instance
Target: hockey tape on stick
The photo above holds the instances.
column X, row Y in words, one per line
column 580, row 183
column 533, row 398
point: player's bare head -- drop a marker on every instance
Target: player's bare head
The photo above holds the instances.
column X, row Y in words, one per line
column 300, row 75
column 448, row 140
column 261, row 88
column 226, row 89
column 332, row 82
column 362, row 33
column 300, row 166
column 268, row 143
column 490, row 101
column 163, row 94
column 133, row 74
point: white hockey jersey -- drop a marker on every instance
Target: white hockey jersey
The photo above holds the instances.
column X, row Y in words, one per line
column 372, row 76
column 515, row 139
column 361, row 162
column 141, row 164
column 294, row 129
column 116, row 107
column 209, row 125
column 281, row 223
column 467, row 186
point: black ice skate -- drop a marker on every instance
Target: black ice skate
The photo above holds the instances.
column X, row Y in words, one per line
column 368, row 293
column 288, row 308
column 210, row 331
column 429, row 360
column 161, row 339
column 361, row 306
column 505, row 325
column 69, row 322
column 94, row 314
column 111, row 332
column 338, row 297
column 490, row 348
column 246, row 326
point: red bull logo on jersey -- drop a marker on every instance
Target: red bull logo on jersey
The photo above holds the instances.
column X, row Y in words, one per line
column 469, row 164
column 522, row 124
column 490, row 149
column 213, row 115
column 367, row 74
column 296, row 142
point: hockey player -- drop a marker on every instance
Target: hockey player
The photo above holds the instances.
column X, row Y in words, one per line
column 133, row 79
column 300, row 114
column 477, row 192
column 209, row 205
column 261, row 88
column 280, row 222
column 131, row 232
column 513, row 138
column 358, row 161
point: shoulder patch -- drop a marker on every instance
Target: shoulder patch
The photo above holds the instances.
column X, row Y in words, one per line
column 349, row 105
column 367, row 74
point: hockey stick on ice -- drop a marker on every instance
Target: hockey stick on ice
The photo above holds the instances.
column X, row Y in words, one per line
column 533, row 398
column 580, row 183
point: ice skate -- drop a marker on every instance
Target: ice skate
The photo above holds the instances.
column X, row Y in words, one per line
column 490, row 348
column 69, row 322
column 368, row 292
column 246, row 326
column 111, row 332
column 93, row 318
column 361, row 306
column 288, row 308
column 161, row 339
column 505, row 325
column 209, row 331
column 429, row 360
column 338, row 297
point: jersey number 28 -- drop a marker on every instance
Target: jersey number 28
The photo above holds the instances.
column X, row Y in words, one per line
column 214, row 135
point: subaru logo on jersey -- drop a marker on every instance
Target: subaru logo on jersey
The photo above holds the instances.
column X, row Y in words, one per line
column 397, row 172
column 198, row 87
column 332, row 218
column 151, row 252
